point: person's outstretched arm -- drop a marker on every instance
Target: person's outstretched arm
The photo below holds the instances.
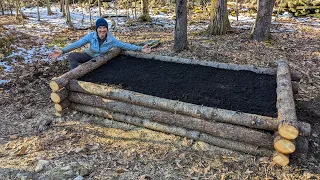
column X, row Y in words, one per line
column 81, row 42
column 131, row 47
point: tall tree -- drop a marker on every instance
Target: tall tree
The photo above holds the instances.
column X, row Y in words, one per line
column 180, row 30
column 261, row 28
column 38, row 11
column 2, row 6
column 145, row 11
column 68, row 16
column 99, row 6
column 49, row 7
column 62, row 8
column 219, row 22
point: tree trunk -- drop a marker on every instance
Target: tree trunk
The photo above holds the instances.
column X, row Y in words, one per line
column 219, row 22
column 197, row 111
column 145, row 11
column 147, row 123
column 288, row 126
column 17, row 9
column 2, row 7
column 99, row 5
column 38, row 11
column 233, row 132
column 68, row 15
column 49, row 7
column 62, row 8
column 63, row 80
column 262, row 25
column 180, row 30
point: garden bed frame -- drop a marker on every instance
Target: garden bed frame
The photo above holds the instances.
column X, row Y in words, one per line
column 243, row 132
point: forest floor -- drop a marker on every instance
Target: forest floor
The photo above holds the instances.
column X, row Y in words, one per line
column 35, row 144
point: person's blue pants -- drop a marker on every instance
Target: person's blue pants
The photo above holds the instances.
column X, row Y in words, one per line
column 77, row 58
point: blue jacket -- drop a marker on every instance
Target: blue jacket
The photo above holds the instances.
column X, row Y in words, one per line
column 94, row 50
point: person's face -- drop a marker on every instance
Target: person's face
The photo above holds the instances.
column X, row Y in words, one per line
column 102, row 31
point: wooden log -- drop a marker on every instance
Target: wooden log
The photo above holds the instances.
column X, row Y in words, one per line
column 287, row 117
column 283, row 145
column 62, row 105
column 302, row 148
column 203, row 112
column 59, row 96
column 63, row 80
column 280, row 159
column 147, row 123
column 296, row 76
column 207, row 113
column 228, row 131
column 295, row 87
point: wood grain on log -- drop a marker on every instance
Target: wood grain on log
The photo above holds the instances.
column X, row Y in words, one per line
column 147, row 123
column 63, row 80
column 62, row 105
column 283, row 145
column 287, row 117
column 228, row 131
column 59, row 96
column 280, row 159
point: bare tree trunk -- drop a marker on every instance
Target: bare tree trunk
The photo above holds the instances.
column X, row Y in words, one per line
column 145, row 11
column 180, row 31
column 68, row 16
column 135, row 9
column 38, row 11
column 49, row 7
column 2, row 7
column 261, row 28
column 62, row 8
column 219, row 22
column 99, row 6
column 10, row 7
column 17, row 9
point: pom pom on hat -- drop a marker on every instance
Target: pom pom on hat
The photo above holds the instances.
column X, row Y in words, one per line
column 101, row 22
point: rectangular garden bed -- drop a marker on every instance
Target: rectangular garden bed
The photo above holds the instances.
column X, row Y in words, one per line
column 242, row 108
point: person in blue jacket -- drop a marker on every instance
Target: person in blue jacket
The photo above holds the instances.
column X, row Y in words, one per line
column 101, row 41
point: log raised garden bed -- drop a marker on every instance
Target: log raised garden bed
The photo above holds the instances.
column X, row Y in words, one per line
column 242, row 108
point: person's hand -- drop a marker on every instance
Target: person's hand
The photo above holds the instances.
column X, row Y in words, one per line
column 146, row 49
column 55, row 54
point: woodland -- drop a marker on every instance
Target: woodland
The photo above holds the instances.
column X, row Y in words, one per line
column 35, row 143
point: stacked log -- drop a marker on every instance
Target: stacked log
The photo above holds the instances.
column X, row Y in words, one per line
column 58, row 85
column 244, row 132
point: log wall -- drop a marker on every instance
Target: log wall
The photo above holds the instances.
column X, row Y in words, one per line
column 243, row 132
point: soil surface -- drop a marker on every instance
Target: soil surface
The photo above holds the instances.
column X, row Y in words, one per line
column 243, row 91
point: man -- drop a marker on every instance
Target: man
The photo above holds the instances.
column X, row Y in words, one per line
column 101, row 41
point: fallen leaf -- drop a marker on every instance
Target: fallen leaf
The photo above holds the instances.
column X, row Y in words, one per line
column 22, row 151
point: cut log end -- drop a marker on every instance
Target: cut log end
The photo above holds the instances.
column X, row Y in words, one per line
column 288, row 131
column 284, row 146
column 55, row 97
column 280, row 159
column 54, row 86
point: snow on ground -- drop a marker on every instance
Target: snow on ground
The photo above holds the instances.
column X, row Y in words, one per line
column 81, row 18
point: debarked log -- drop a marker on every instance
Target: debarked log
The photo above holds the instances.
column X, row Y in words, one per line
column 228, row 131
column 197, row 111
column 147, row 123
column 63, row 80
column 288, row 126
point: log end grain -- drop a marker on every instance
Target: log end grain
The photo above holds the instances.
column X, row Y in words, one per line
column 55, row 97
column 288, row 131
column 284, row 146
column 280, row 159
column 54, row 86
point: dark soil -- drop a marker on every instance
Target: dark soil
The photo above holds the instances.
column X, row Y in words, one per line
column 243, row 91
